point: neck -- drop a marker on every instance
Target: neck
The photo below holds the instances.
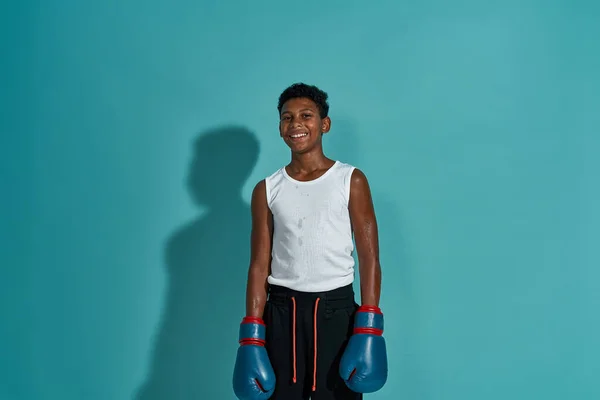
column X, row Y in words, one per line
column 310, row 161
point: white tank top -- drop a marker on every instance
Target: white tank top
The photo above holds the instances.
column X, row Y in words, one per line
column 312, row 234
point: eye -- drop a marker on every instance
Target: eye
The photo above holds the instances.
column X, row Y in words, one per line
column 307, row 115
column 285, row 118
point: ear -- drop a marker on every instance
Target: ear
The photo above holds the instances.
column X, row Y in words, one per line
column 325, row 125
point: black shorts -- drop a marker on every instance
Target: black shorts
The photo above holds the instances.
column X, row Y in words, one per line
column 295, row 321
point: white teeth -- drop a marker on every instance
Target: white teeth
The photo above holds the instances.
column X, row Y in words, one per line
column 299, row 135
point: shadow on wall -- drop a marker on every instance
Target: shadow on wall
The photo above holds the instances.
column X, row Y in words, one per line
column 206, row 261
column 398, row 298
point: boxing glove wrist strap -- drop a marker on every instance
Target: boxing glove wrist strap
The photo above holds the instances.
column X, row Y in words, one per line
column 368, row 331
column 368, row 321
column 252, row 332
column 367, row 308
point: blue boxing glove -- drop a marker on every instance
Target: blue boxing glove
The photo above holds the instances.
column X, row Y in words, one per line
column 253, row 375
column 364, row 363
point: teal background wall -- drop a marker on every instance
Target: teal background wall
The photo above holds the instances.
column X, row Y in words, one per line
column 133, row 133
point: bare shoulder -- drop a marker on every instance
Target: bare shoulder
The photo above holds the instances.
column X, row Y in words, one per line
column 259, row 197
column 260, row 190
column 261, row 213
column 359, row 177
column 359, row 186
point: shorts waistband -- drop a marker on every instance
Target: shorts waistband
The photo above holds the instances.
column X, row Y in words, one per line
column 340, row 297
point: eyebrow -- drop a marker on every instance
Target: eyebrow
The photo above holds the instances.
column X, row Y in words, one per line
column 304, row 109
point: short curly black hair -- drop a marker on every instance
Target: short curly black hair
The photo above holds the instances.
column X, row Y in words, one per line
column 307, row 91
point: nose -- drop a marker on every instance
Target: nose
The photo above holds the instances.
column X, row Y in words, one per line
column 295, row 122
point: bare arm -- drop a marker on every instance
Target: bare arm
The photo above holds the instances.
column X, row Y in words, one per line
column 260, row 252
column 366, row 236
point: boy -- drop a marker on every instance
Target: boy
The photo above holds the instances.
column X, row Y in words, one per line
column 303, row 335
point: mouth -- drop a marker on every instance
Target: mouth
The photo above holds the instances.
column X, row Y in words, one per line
column 298, row 136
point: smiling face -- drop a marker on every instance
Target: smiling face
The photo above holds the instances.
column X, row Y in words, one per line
column 301, row 125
